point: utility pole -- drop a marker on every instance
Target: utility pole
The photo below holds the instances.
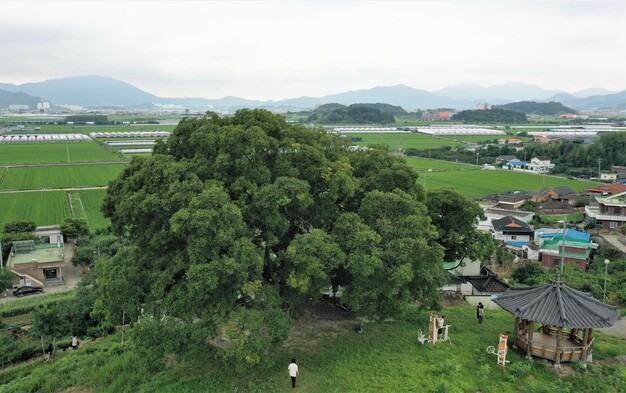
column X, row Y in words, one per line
column 599, row 170
column 563, row 245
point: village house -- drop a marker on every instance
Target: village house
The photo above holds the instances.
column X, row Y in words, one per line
column 36, row 265
column 547, row 247
column 610, row 212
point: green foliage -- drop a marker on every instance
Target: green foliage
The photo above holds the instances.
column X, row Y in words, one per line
column 6, row 280
column 577, row 159
column 19, row 227
column 74, row 228
column 236, row 216
column 493, row 115
column 537, row 108
column 355, row 114
column 83, row 119
column 456, row 218
column 529, row 273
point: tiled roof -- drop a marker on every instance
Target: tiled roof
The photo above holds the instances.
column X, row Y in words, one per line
column 510, row 225
column 454, row 279
column 490, row 283
column 558, row 305
column 609, row 188
column 555, row 205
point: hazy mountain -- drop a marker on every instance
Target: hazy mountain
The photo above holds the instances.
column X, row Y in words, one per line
column 613, row 102
column 401, row 95
column 88, row 91
column 10, row 98
column 593, row 91
column 97, row 91
column 512, row 91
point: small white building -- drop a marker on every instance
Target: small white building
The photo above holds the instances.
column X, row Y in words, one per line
column 608, row 177
column 49, row 234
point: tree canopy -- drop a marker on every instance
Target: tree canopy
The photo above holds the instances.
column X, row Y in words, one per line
column 494, row 115
column 232, row 220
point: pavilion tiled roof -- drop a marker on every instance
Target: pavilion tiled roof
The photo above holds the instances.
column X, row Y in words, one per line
column 557, row 304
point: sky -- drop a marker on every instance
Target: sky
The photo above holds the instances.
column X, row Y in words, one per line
column 286, row 49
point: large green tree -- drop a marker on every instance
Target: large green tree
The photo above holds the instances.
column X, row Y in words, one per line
column 234, row 219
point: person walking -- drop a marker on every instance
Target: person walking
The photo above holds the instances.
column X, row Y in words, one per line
column 293, row 372
column 480, row 312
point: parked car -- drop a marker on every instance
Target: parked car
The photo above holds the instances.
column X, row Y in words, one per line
column 23, row 291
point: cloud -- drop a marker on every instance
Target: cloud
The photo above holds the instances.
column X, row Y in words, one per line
column 273, row 50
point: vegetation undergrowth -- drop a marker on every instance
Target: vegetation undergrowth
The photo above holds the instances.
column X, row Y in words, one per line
column 386, row 357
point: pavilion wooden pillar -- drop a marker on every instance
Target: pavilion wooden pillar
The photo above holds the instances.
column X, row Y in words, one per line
column 517, row 330
column 559, row 347
column 590, row 346
column 530, row 329
column 585, row 344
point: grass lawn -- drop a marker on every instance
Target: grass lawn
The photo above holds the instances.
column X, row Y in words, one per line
column 32, row 153
column 28, row 178
column 332, row 357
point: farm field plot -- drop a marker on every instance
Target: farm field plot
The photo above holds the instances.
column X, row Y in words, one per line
column 33, row 153
column 425, row 165
column 478, row 184
column 90, row 202
column 52, row 207
column 28, row 178
column 403, row 141
column 44, row 208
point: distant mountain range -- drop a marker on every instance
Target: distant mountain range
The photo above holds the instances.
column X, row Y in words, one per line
column 97, row 91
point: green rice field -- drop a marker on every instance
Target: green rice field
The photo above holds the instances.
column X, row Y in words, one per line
column 426, row 165
column 44, row 208
column 33, row 153
column 52, row 207
column 403, row 141
column 28, row 178
column 479, row 183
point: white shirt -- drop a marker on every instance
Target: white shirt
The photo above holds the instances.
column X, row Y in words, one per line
column 293, row 370
column 440, row 322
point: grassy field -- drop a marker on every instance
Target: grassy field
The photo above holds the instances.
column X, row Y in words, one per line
column 90, row 201
column 471, row 182
column 426, row 165
column 332, row 357
column 28, row 178
column 406, row 140
column 52, row 207
column 45, row 208
column 32, row 153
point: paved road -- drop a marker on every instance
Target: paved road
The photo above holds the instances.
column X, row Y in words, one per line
column 615, row 240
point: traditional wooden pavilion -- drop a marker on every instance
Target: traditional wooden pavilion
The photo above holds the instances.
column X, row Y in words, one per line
column 567, row 319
